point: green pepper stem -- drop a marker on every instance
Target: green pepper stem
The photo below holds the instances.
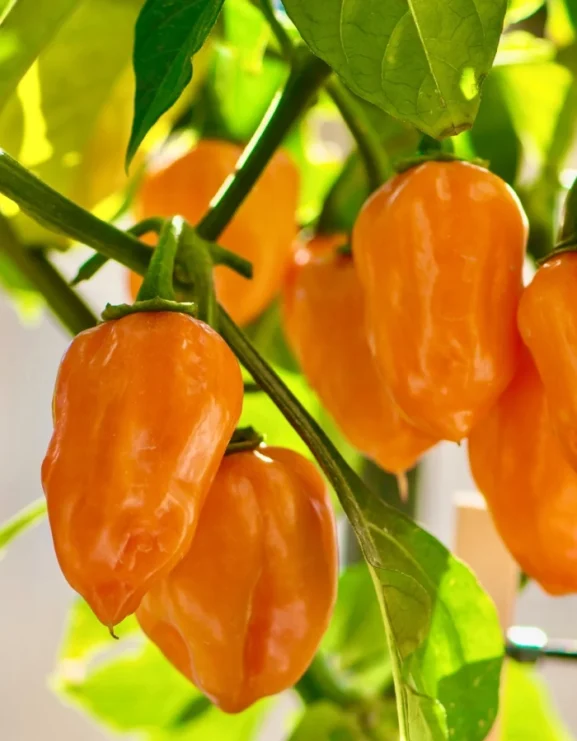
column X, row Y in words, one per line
column 279, row 31
column 157, row 282
column 195, row 254
column 376, row 161
column 307, row 75
column 46, row 206
column 70, row 309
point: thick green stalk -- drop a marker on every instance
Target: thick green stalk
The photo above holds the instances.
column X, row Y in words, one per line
column 376, row 161
column 63, row 301
column 279, row 31
column 157, row 282
column 307, row 75
column 54, row 211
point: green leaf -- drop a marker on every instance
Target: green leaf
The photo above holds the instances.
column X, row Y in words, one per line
column 69, row 119
column 355, row 642
column 518, row 10
column 214, row 725
column 168, row 33
column 445, row 641
column 323, row 721
column 528, row 713
column 27, row 301
column 25, row 30
column 138, row 691
column 419, row 61
column 85, row 637
column 24, row 520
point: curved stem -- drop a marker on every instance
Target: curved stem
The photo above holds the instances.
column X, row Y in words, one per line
column 377, row 162
column 307, row 75
column 196, row 257
column 279, row 31
column 70, row 309
column 344, row 480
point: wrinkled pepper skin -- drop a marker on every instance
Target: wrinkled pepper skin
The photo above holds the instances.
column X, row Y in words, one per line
column 262, row 231
column 548, row 324
column 143, row 410
column 530, row 488
column 324, row 319
column 440, row 252
column 244, row 612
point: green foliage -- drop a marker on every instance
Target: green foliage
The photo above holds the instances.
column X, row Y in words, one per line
column 446, row 655
column 518, row 10
column 355, row 643
column 422, row 62
column 131, row 688
column 325, row 722
column 24, row 520
column 528, row 714
column 168, row 33
column 25, row 30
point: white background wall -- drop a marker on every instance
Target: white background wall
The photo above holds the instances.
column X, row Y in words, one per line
column 33, row 595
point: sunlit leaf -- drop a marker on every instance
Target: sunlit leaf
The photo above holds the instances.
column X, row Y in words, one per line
column 25, row 30
column 168, row 33
column 21, row 522
column 528, row 713
column 446, row 654
column 138, row 691
column 520, row 47
column 420, row 61
column 521, row 9
column 214, row 725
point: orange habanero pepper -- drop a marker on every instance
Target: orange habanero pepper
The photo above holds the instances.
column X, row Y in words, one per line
column 144, row 407
column 440, row 253
column 531, row 489
column 262, row 231
column 243, row 613
column 548, row 325
column 324, row 317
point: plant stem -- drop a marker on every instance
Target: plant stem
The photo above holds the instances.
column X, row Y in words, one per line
column 377, row 162
column 195, row 255
column 307, row 75
column 157, row 282
column 62, row 300
column 279, row 31
column 345, row 481
column 49, row 208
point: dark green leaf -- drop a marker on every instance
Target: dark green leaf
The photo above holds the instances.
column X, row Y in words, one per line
column 528, row 714
column 21, row 522
column 421, row 61
column 168, row 33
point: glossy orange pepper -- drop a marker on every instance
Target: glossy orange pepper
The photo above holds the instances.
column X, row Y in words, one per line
column 440, row 253
column 243, row 614
column 263, row 230
column 548, row 325
column 144, row 407
column 530, row 488
column 324, row 319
